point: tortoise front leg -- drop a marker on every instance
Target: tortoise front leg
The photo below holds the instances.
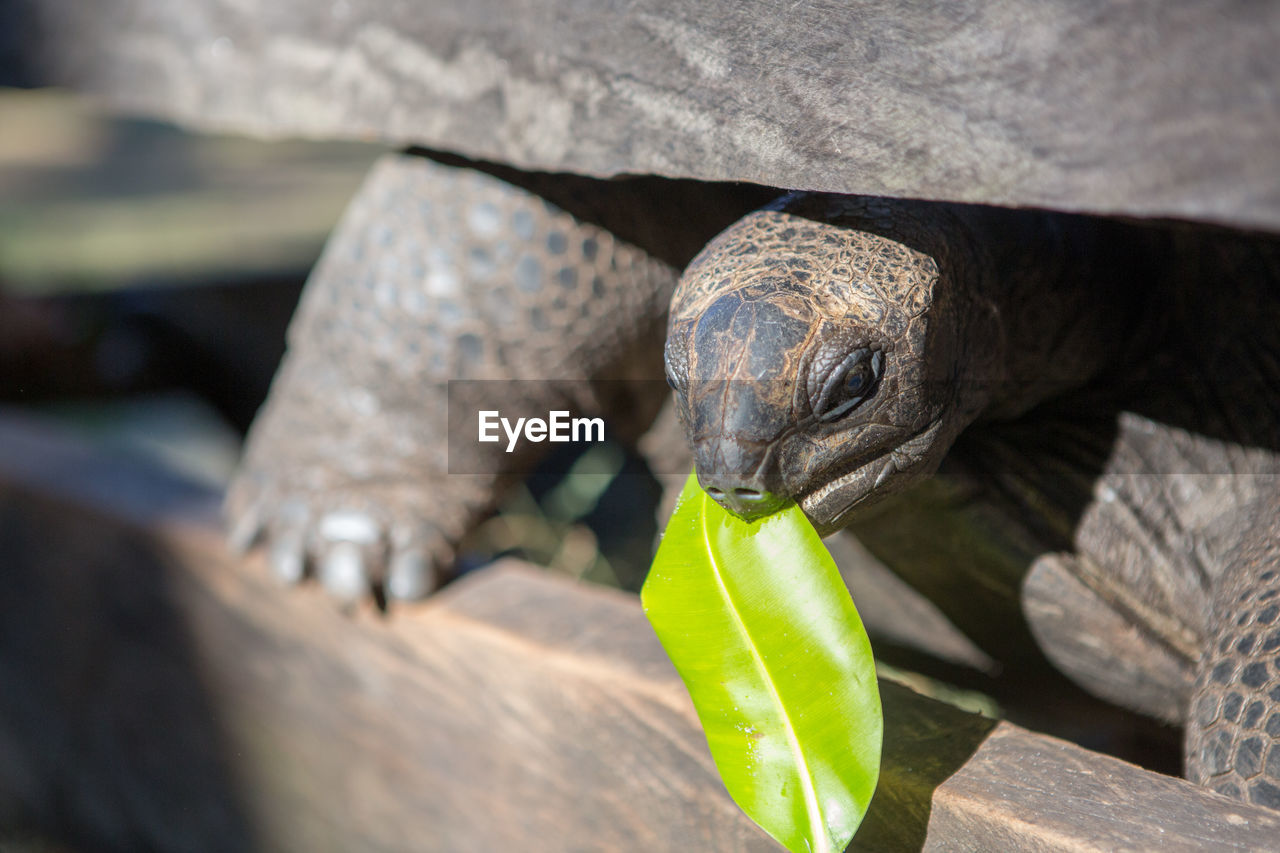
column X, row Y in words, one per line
column 435, row 273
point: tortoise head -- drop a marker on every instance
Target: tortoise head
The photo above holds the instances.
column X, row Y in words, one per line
column 810, row 357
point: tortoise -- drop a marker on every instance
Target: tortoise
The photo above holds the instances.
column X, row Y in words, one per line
column 831, row 350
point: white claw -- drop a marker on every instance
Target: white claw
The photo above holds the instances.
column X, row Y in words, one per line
column 287, row 560
column 411, row 575
column 343, row 572
column 349, row 526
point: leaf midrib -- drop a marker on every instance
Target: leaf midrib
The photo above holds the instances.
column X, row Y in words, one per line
column 817, row 827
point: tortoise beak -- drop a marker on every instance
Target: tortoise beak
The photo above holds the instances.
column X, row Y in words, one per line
column 746, row 503
column 737, row 477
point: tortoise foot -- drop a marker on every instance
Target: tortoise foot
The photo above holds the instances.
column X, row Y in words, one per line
column 355, row 538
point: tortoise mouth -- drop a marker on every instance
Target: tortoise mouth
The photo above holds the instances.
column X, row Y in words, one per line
column 829, row 507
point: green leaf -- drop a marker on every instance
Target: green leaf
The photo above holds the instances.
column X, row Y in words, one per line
column 761, row 628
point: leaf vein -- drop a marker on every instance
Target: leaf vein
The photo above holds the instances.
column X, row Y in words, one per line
column 807, row 782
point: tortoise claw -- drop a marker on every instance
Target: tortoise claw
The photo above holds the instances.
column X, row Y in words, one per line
column 411, row 576
column 287, row 556
column 342, row 571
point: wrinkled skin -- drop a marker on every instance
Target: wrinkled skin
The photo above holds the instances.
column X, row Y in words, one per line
column 822, row 352
column 783, row 355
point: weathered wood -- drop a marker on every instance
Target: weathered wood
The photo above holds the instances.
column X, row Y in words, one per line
column 1028, row 793
column 515, row 710
column 1149, row 108
column 158, row 694
column 203, row 708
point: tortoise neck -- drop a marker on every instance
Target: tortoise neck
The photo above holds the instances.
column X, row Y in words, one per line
column 1055, row 302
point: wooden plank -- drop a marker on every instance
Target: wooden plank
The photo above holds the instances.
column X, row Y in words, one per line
column 1147, row 108
column 1025, row 792
column 158, row 694
column 189, row 703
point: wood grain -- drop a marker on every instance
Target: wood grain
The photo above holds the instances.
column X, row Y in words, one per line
column 1162, row 108
column 1030, row 793
column 159, row 694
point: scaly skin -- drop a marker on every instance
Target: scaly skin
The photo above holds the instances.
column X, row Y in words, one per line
column 1233, row 739
column 1149, row 475
column 441, row 270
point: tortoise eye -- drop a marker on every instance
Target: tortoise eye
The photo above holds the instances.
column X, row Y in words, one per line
column 854, row 381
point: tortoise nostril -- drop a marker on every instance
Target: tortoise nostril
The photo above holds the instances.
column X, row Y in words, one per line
column 747, row 501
